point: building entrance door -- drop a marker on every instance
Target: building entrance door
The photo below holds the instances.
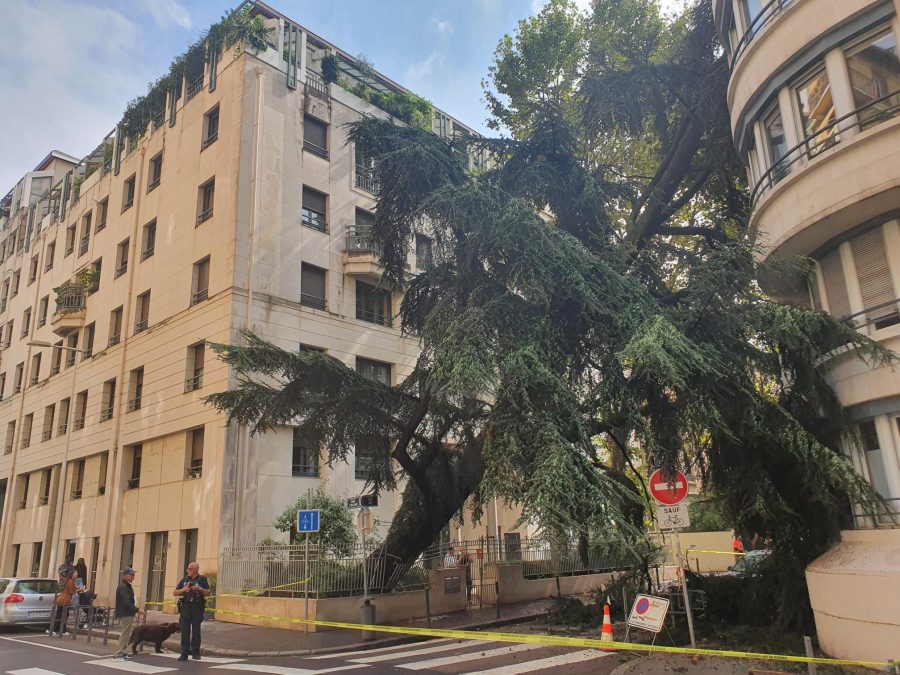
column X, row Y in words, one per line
column 156, row 579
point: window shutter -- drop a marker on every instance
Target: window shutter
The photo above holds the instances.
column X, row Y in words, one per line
column 312, row 281
column 835, row 286
column 315, row 132
column 874, row 273
column 313, row 200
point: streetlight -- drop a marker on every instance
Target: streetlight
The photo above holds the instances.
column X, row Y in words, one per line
column 60, row 493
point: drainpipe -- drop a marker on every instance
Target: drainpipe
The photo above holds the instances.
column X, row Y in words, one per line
column 243, row 446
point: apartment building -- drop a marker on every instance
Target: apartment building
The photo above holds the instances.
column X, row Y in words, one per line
column 814, row 96
column 240, row 205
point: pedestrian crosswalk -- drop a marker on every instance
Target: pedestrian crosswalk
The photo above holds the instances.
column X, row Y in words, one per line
column 443, row 657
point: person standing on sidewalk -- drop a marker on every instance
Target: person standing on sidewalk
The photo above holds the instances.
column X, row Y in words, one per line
column 63, row 600
column 191, row 592
column 125, row 611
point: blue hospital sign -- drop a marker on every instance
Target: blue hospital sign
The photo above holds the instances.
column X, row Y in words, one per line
column 308, row 521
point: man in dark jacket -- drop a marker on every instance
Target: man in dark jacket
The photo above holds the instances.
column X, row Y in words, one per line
column 125, row 611
column 191, row 592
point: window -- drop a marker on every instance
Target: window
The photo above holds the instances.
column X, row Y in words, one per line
column 135, row 389
column 190, row 547
column 72, row 351
column 127, row 559
column 26, row 322
column 91, row 581
column 15, row 283
column 142, row 313
column 773, row 129
column 49, row 413
column 77, row 479
column 62, row 422
column 107, row 405
column 43, row 308
column 312, row 286
column 196, row 358
column 27, row 423
column 26, row 483
column 115, row 326
column 835, row 286
column 35, row 369
column 97, row 266
column 80, row 410
column 148, row 243
column 315, row 136
column 8, row 333
column 128, row 193
column 102, row 214
column 210, row 128
column 33, row 269
column 367, row 452
column 374, row 370
column 121, row 259
column 17, row 377
column 2, row 384
column 752, row 10
column 873, row 272
column 85, row 234
column 194, row 467
column 37, row 551
column 200, row 281
column 424, row 251
column 817, row 113
column 155, row 172
column 88, row 346
column 365, row 172
column 373, row 304
column 305, row 455
column 314, row 209
column 134, row 480
column 874, row 457
column 10, row 437
column 5, row 297
column 205, row 198
column 49, row 255
column 101, row 480
column 17, row 551
column 46, row 475
column 70, row 239
column 874, row 74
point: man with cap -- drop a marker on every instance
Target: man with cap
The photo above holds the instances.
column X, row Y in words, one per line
column 125, row 611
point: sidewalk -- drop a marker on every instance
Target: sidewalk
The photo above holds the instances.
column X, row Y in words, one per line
column 220, row 637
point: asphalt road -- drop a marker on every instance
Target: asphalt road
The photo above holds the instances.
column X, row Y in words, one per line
column 29, row 653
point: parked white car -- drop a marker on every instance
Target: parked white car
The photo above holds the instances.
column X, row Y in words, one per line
column 27, row 601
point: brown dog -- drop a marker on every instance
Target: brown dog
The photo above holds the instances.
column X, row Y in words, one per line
column 156, row 633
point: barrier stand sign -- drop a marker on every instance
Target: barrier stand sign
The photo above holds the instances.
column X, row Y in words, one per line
column 648, row 612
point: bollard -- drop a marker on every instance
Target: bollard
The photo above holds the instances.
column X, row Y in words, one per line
column 106, row 627
column 90, row 623
column 368, row 618
column 428, row 603
column 75, row 609
column 497, row 589
column 807, row 645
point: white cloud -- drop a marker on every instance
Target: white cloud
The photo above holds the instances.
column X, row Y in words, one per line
column 168, row 12
column 441, row 26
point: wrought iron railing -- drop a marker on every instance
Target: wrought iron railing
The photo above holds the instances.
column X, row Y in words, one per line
column 766, row 14
column 365, row 180
column 318, row 150
column 864, row 317
column 315, row 84
column 362, row 240
column 193, row 88
column 821, row 139
column 887, row 517
column 72, row 301
column 313, row 301
column 193, row 383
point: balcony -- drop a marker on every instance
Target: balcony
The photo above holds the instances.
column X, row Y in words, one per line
column 71, row 309
column 315, row 85
column 362, row 254
column 365, row 180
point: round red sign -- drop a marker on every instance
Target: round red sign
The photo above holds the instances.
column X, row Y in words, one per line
column 668, row 491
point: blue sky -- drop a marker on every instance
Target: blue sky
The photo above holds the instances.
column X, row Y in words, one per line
column 68, row 67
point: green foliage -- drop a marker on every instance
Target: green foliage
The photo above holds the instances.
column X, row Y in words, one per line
column 83, row 280
column 330, row 68
column 337, row 534
column 708, row 514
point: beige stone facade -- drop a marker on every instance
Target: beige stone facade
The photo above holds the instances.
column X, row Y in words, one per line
column 241, row 206
column 814, row 97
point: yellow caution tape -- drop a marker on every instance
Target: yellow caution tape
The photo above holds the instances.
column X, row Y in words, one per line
column 700, row 550
column 242, row 594
column 558, row 641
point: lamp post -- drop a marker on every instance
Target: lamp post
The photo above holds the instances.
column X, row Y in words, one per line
column 60, row 493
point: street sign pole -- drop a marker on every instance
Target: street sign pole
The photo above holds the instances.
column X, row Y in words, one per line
column 365, row 510
column 306, row 570
column 684, row 590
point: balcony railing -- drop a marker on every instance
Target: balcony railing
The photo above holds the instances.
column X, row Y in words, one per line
column 85, row 243
column 47, row 434
column 209, row 140
column 365, row 180
column 26, row 441
column 114, row 340
column 61, row 429
column 134, row 404
column 310, row 470
column 8, row 448
column 379, row 318
column 146, row 253
column 766, row 14
column 78, row 424
column 308, row 300
column 76, row 494
column 200, row 296
column 314, row 220
column 195, row 470
column 43, row 500
column 887, row 517
column 153, row 184
column 315, row 85
column 882, row 315
column 106, row 414
column 822, row 139
column 362, row 240
column 133, row 483
column 193, row 383
column 205, row 215
column 54, row 370
column 23, row 503
column 193, row 89
column 121, row 269
column 317, row 150
column 129, row 202
column 140, row 326
column 72, row 301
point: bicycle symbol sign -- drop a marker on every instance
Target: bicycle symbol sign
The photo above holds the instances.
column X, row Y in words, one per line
column 673, row 517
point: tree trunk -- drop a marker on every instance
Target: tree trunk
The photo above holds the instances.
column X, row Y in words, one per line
column 450, row 479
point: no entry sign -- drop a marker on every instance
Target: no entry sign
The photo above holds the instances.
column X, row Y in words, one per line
column 668, row 490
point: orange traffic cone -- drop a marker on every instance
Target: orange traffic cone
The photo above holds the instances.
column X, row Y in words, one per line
column 606, row 632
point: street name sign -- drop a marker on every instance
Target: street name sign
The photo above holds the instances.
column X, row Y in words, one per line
column 648, row 612
column 308, row 520
column 668, row 490
column 671, row 517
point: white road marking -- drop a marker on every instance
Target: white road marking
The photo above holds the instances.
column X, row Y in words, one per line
column 33, row 671
column 206, row 659
column 281, row 670
column 129, row 666
column 473, row 656
column 418, row 652
column 41, row 644
column 550, row 662
column 341, row 655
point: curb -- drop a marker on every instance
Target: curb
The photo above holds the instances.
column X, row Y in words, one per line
column 356, row 646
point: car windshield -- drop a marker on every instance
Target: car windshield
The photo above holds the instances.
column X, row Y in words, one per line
column 36, row 586
column 750, row 562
